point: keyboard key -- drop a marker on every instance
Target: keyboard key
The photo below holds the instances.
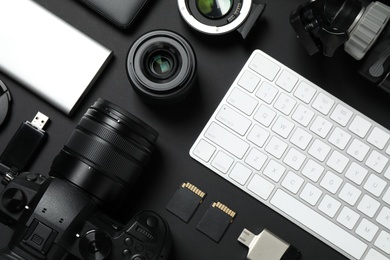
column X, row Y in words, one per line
column 249, row 81
column 292, row 182
column 226, row 140
column 264, row 67
column 274, row 170
column 319, row 150
column 341, row 115
column 282, row 127
column 329, row 206
column 294, row 159
column 286, row 80
column 375, row 185
column 337, row 161
column 284, row 104
column 204, row 150
column 331, row 182
column 375, row 255
column 313, row 170
column 318, row 224
column 222, row 162
column 384, row 217
column 378, row 138
column 376, row 161
column 367, row 230
column 242, row 101
column 276, row 147
column 303, row 115
column 264, row 115
column 267, row 92
column 321, row 126
column 348, row 218
column 360, row 126
column 261, row 187
column 368, row 206
column 258, row 135
column 301, row 138
column 358, row 149
column 311, row 194
column 233, row 120
column 256, row 159
column 339, row 138
column 382, row 242
column 305, row 92
column 323, row 103
column 350, row 194
column 240, row 173
column 356, row 173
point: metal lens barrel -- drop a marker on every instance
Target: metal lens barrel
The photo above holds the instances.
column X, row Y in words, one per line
column 106, row 152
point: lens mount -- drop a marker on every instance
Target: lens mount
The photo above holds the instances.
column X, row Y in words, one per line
column 226, row 20
column 161, row 66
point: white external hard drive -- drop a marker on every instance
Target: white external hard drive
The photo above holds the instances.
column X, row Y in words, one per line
column 47, row 55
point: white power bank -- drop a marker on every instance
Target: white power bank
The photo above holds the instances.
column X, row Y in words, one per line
column 47, row 55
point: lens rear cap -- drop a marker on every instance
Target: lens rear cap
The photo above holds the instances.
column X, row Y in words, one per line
column 5, row 100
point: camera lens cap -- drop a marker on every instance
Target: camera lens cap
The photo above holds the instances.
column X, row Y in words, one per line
column 5, row 100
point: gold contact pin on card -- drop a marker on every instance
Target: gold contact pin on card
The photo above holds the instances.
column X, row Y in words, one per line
column 224, row 208
column 193, row 188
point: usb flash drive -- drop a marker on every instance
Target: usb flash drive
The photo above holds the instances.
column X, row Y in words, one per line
column 25, row 143
column 267, row 246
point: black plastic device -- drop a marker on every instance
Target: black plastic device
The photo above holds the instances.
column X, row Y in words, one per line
column 122, row 13
column 5, row 99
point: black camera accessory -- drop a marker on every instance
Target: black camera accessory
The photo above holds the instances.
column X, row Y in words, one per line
column 216, row 221
column 327, row 24
column 185, row 201
column 267, row 246
column 5, row 99
column 26, row 142
column 161, row 66
column 61, row 218
column 217, row 17
column 122, row 13
column 106, row 152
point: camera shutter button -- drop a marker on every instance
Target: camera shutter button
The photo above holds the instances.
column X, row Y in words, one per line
column 152, row 222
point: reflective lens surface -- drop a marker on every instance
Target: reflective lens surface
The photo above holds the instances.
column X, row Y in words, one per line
column 214, row 9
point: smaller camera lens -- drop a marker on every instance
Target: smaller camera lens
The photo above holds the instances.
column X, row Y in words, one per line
column 161, row 66
column 214, row 9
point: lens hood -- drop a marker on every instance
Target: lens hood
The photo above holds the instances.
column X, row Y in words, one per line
column 161, row 66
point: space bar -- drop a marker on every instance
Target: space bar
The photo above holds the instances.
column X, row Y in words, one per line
column 319, row 224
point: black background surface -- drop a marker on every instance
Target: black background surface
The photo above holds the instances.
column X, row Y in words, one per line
column 220, row 58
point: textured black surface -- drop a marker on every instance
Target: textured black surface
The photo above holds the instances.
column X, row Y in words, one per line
column 220, row 58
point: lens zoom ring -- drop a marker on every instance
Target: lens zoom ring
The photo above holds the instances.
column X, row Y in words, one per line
column 115, row 139
column 103, row 155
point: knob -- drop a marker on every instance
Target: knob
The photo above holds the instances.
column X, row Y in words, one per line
column 14, row 200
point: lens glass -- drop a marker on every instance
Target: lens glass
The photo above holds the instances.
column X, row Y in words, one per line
column 214, row 9
column 161, row 64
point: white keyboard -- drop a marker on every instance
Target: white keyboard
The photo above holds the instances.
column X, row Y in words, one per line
column 305, row 154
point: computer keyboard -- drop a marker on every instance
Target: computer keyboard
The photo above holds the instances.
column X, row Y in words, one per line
column 304, row 153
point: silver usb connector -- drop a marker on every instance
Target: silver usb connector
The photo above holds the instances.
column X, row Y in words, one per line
column 267, row 246
column 39, row 120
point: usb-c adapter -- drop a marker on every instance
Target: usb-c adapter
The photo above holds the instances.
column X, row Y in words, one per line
column 267, row 246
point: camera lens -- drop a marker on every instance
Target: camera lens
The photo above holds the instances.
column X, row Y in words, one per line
column 214, row 9
column 161, row 66
column 106, row 152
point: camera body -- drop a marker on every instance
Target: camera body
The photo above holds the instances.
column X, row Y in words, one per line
column 69, row 214
column 359, row 26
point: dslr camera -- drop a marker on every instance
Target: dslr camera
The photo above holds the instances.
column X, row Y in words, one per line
column 359, row 26
column 69, row 214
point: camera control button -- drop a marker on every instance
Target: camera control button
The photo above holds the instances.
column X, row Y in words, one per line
column 150, row 254
column 152, row 222
column 129, row 241
column 139, row 248
column 126, row 253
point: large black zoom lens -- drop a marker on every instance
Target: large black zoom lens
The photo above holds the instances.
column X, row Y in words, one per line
column 106, row 152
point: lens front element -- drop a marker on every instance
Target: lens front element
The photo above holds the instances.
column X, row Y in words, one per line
column 214, row 9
